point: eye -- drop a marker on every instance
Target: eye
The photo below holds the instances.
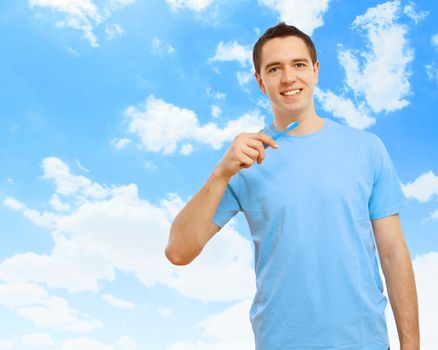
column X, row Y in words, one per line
column 273, row 69
column 300, row 65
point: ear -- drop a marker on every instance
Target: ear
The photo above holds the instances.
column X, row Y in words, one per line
column 316, row 71
column 260, row 82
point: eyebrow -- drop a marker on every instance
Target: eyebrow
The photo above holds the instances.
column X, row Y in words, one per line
column 303, row 59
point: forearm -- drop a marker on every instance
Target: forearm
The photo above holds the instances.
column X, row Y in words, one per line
column 190, row 229
column 400, row 282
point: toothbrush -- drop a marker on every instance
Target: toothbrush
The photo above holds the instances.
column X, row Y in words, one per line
column 291, row 126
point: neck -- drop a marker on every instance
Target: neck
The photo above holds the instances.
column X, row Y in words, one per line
column 308, row 122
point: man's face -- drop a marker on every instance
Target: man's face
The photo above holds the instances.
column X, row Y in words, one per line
column 287, row 75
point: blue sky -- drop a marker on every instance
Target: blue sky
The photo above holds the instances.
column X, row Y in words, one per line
column 114, row 113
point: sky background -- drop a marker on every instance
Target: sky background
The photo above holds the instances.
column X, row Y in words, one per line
column 113, row 114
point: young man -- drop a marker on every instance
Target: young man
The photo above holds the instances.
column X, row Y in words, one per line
column 312, row 202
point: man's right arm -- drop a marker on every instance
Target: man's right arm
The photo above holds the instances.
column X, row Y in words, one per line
column 193, row 227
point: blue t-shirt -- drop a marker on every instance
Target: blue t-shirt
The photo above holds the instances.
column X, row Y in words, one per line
column 308, row 207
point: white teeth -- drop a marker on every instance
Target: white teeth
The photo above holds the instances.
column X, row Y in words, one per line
column 291, row 92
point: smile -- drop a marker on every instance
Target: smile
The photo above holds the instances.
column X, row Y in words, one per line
column 291, row 92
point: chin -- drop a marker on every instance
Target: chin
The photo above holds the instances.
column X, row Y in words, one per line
column 293, row 111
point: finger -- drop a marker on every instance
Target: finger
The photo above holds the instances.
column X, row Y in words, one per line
column 250, row 152
column 266, row 139
column 245, row 161
column 258, row 146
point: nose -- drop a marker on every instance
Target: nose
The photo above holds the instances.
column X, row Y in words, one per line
column 288, row 76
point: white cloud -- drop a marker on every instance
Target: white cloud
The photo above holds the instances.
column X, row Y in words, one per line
column 46, row 219
column 79, row 14
column 81, row 167
column 102, row 235
column 85, row 267
column 215, row 111
column 410, row 11
column 55, row 313
column 13, row 203
column 5, row 344
column 264, row 103
column 116, row 302
column 151, row 166
column 380, row 74
column 186, row 149
column 185, row 346
column 239, row 331
column 72, row 51
column 244, row 77
column 37, row 339
column 171, row 205
column 116, row 4
column 432, row 69
column 231, row 329
column 235, row 261
column 68, row 184
column 113, row 31
column 424, row 188
column 161, row 47
column 21, row 294
column 304, row 14
column 156, row 43
column 120, row 143
column 83, row 343
column 233, row 51
column 343, row 108
column 162, row 126
column 84, row 16
column 79, row 187
column 434, row 215
column 41, row 219
column 57, row 204
column 32, row 302
column 434, row 40
column 426, row 275
column 194, row 5
column 432, row 72
column 164, row 311
column 127, row 343
column 217, row 95
column 121, row 232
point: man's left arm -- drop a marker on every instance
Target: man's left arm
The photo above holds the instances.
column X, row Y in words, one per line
column 400, row 281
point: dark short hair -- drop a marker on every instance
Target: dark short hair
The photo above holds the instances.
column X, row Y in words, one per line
column 278, row 31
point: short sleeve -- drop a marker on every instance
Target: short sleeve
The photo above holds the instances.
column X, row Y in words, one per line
column 229, row 204
column 386, row 197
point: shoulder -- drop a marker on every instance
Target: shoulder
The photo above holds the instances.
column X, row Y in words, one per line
column 353, row 134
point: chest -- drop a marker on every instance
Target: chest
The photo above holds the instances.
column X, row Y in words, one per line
column 307, row 178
